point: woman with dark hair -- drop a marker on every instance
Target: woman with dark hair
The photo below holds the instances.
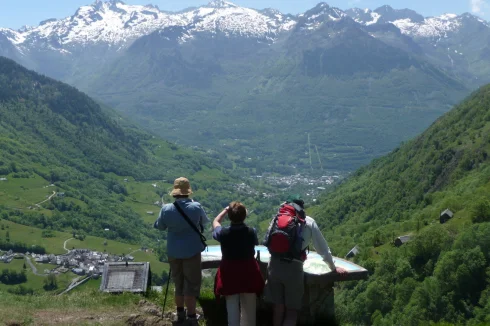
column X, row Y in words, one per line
column 238, row 278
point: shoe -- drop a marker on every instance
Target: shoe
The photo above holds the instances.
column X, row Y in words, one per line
column 193, row 321
column 179, row 317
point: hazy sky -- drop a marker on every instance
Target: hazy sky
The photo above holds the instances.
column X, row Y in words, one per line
column 16, row 13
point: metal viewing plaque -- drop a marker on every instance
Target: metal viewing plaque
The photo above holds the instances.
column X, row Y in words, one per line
column 125, row 277
column 316, row 270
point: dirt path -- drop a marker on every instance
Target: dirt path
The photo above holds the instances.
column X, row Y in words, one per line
column 132, row 252
column 74, row 283
column 48, row 199
column 34, row 269
column 64, row 244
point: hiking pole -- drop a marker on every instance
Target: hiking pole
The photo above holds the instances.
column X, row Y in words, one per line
column 166, row 292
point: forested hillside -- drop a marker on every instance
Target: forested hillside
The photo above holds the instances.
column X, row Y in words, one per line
column 68, row 165
column 443, row 273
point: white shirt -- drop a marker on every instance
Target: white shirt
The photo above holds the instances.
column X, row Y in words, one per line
column 312, row 234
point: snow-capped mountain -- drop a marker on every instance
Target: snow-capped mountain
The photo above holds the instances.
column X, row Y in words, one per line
column 314, row 18
column 115, row 23
column 411, row 23
column 96, row 34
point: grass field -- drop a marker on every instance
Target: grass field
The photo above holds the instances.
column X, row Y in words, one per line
column 21, row 193
column 82, row 308
column 33, row 281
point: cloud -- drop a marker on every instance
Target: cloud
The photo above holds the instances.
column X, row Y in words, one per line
column 477, row 6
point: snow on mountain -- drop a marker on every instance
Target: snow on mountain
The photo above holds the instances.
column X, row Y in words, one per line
column 118, row 24
column 229, row 19
column 431, row 27
column 411, row 23
column 13, row 36
column 363, row 16
column 314, row 18
column 111, row 22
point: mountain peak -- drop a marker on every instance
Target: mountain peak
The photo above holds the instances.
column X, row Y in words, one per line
column 388, row 14
column 221, row 4
column 322, row 11
column 385, row 9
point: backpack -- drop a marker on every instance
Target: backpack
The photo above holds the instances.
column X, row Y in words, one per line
column 285, row 239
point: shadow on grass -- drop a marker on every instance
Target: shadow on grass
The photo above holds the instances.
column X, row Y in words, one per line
column 215, row 311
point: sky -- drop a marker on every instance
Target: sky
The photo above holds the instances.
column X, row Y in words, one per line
column 17, row 13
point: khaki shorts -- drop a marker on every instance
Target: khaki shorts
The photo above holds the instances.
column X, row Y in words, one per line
column 285, row 283
column 186, row 275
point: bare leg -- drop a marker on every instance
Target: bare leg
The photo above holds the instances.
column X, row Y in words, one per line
column 279, row 310
column 190, row 303
column 291, row 318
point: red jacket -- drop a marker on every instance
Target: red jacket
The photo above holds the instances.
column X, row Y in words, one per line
column 238, row 276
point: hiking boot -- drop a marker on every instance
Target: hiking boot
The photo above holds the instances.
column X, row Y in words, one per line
column 193, row 321
column 179, row 317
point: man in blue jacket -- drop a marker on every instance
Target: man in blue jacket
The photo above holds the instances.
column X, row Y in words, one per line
column 184, row 247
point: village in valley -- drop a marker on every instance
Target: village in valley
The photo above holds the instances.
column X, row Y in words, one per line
column 310, row 186
column 79, row 261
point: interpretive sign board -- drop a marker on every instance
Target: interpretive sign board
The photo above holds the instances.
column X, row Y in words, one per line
column 125, row 277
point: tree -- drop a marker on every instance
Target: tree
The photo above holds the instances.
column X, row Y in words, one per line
column 480, row 212
column 50, row 283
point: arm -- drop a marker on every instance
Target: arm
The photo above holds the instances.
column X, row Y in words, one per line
column 217, row 221
column 323, row 249
column 266, row 238
column 204, row 218
column 256, row 237
column 321, row 246
column 159, row 223
column 217, row 224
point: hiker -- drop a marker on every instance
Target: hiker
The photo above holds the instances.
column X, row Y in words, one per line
column 287, row 239
column 184, row 219
column 238, row 278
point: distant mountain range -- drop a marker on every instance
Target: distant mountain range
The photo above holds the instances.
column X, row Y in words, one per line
column 116, row 25
column 359, row 81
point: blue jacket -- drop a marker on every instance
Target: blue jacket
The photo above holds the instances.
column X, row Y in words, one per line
column 182, row 241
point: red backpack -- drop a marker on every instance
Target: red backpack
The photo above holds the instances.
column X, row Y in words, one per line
column 284, row 238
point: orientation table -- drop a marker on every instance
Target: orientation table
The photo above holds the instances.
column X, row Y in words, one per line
column 318, row 300
column 316, row 270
